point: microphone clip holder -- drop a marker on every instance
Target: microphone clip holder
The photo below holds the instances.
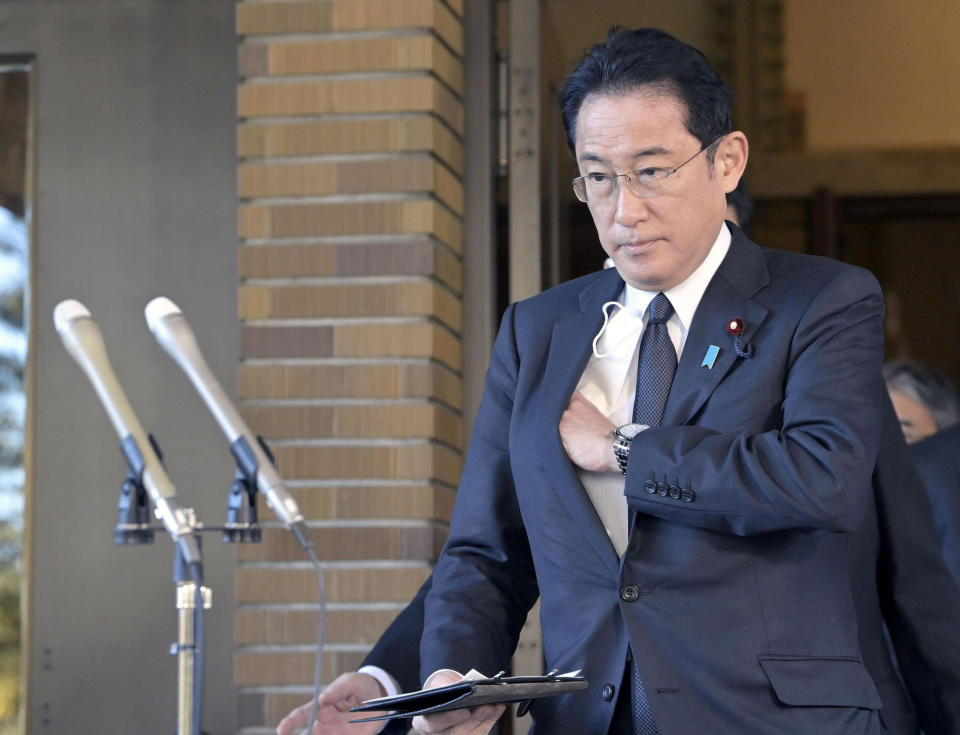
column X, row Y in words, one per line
column 133, row 507
column 242, row 524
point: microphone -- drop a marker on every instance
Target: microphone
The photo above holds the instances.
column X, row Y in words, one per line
column 174, row 334
column 81, row 336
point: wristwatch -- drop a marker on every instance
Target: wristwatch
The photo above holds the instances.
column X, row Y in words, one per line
column 622, row 439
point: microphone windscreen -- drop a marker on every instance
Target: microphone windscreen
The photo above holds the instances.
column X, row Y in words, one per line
column 66, row 311
column 158, row 309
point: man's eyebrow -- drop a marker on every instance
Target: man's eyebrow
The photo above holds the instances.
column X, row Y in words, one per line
column 593, row 157
column 657, row 150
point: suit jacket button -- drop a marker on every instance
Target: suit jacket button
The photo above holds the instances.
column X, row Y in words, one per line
column 674, row 492
column 608, row 691
column 662, row 489
column 650, row 486
column 629, row 593
column 688, row 496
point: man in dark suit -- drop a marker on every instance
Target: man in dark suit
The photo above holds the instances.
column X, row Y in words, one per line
column 938, row 461
column 693, row 564
column 898, row 579
column 731, row 595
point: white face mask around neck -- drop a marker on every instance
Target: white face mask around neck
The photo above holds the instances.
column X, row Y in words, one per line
column 616, row 330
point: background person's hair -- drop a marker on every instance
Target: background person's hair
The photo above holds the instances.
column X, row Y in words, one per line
column 649, row 58
column 927, row 386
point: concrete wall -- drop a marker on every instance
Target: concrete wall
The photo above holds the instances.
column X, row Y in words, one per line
column 884, row 74
column 135, row 197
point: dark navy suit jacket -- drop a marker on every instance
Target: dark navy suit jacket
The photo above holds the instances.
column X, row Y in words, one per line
column 741, row 615
column 734, row 591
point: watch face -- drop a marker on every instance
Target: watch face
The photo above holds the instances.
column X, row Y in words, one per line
column 629, row 431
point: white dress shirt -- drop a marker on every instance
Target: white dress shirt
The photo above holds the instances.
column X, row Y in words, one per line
column 609, row 380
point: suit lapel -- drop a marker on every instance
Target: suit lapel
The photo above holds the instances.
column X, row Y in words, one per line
column 742, row 273
column 570, row 349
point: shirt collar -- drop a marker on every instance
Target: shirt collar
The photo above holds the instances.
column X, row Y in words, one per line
column 685, row 296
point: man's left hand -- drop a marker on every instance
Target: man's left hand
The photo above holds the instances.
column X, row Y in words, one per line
column 477, row 721
column 587, row 436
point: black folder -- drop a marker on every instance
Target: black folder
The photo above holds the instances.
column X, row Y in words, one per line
column 472, row 691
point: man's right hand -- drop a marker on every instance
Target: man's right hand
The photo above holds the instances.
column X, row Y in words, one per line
column 333, row 711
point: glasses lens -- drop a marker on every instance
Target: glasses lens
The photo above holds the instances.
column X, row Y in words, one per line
column 579, row 189
column 644, row 184
column 594, row 188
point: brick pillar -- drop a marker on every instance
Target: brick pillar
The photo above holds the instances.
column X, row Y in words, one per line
column 350, row 125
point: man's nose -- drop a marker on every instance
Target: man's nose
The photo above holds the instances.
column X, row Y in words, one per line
column 630, row 207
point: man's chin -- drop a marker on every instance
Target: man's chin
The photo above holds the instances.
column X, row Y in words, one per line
column 640, row 278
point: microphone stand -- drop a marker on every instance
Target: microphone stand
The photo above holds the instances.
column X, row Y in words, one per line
column 192, row 598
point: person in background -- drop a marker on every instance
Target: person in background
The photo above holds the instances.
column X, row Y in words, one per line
column 924, row 398
column 938, row 461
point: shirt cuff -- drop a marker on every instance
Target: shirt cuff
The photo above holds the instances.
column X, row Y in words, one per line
column 389, row 684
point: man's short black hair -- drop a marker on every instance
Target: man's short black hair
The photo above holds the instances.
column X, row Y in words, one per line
column 648, row 57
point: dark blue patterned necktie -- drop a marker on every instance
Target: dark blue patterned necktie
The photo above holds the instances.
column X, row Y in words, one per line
column 656, row 364
column 643, row 722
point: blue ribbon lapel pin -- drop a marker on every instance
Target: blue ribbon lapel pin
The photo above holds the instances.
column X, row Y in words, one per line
column 710, row 357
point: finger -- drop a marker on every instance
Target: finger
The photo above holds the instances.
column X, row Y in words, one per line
column 498, row 711
column 338, row 689
column 481, row 722
column 487, row 714
column 442, row 677
column 441, row 721
column 294, row 721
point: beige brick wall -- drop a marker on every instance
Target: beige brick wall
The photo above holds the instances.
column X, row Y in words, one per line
column 350, row 155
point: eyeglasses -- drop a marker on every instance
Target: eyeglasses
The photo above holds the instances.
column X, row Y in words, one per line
column 644, row 183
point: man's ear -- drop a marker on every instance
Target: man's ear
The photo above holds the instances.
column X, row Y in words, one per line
column 730, row 160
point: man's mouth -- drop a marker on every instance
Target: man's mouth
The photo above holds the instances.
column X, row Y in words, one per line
column 638, row 245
